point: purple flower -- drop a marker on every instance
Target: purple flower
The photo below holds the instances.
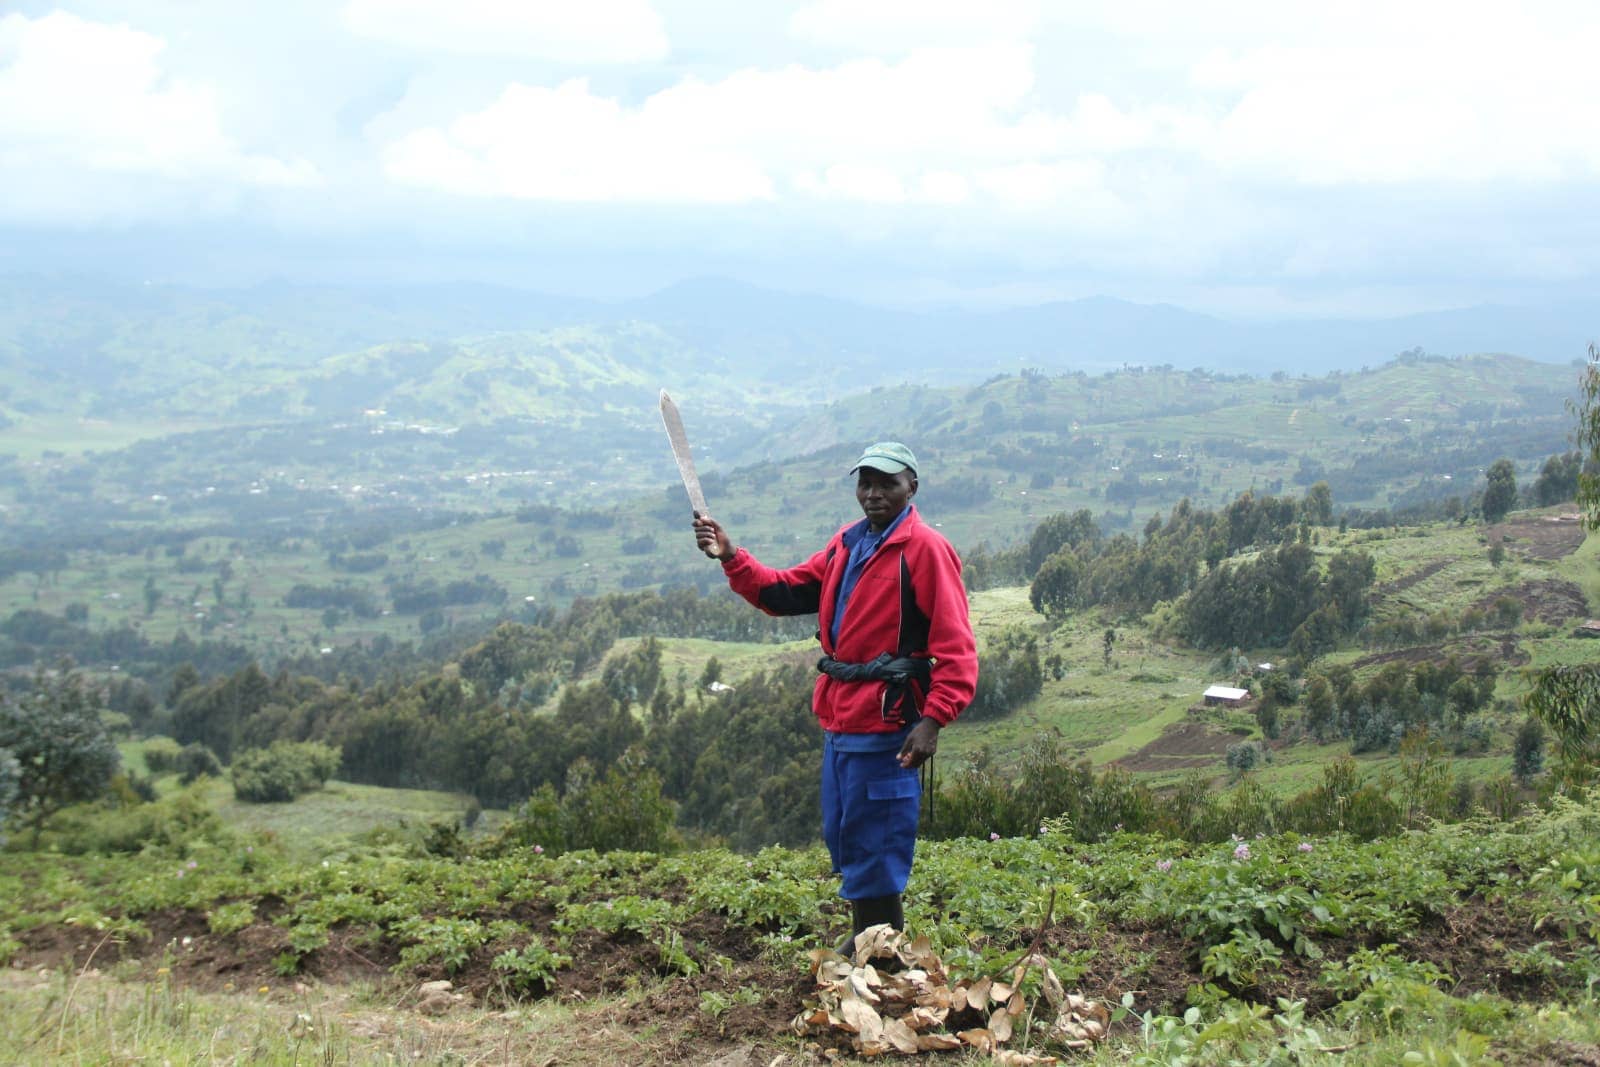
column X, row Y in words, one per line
column 192, row 865
column 1305, row 846
column 1164, row 866
column 180, row 872
column 538, row 850
column 994, row 836
column 1241, row 851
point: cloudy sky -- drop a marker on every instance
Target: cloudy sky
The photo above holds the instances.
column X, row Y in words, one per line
column 1254, row 159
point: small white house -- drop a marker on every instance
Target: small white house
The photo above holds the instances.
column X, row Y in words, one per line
column 1226, row 695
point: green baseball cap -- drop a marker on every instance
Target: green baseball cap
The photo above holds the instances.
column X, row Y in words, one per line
column 890, row 457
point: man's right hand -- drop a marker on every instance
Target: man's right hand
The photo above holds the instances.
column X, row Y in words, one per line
column 711, row 538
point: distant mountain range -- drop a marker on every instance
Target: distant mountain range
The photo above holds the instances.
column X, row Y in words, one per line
column 77, row 344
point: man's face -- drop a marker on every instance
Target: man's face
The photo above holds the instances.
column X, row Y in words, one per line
column 883, row 496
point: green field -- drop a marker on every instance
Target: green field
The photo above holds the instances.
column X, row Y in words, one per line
column 31, row 437
column 280, row 941
column 266, row 506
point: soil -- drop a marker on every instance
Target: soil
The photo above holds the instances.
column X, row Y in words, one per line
column 1501, row 649
column 738, row 1012
column 1551, row 536
column 1552, row 600
column 1181, row 745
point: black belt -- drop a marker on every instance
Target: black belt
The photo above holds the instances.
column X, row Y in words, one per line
column 897, row 672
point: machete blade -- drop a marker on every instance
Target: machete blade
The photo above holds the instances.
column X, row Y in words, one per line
column 680, row 452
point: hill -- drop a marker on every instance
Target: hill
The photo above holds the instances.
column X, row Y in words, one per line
column 583, row 498
column 89, row 348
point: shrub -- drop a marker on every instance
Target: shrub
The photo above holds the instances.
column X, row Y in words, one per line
column 282, row 771
column 1012, row 675
column 160, row 755
column 176, row 826
column 10, row 783
column 196, row 761
column 1246, row 756
column 624, row 809
column 1527, row 757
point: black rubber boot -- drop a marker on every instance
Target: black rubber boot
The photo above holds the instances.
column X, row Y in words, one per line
column 848, row 945
column 871, row 911
column 875, row 910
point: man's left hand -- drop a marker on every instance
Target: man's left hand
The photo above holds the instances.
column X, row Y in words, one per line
column 921, row 743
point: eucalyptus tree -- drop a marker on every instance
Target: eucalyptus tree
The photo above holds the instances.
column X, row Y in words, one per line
column 1566, row 697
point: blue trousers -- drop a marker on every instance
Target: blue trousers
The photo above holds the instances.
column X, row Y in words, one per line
column 870, row 807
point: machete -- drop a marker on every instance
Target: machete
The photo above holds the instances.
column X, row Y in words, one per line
column 680, row 452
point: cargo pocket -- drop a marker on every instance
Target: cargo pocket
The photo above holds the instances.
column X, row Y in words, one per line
column 897, row 800
column 903, row 785
column 894, row 802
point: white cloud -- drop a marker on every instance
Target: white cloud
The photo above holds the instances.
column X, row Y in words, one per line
column 943, row 187
column 1245, row 139
column 1508, row 101
column 917, row 130
column 78, row 96
column 1035, row 185
column 967, row 125
column 568, row 31
column 846, row 181
column 568, row 144
column 894, row 27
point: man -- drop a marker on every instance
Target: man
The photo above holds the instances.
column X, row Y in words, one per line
column 899, row 664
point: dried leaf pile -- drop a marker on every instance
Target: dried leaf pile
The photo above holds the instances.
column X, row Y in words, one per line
column 893, row 996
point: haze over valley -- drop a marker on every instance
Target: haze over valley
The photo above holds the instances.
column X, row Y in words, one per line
column 364, row 697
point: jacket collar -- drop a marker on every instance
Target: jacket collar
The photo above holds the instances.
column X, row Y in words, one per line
column 909, row 518
column 903, row 531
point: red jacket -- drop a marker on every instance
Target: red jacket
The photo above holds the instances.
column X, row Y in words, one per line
column 909, row 601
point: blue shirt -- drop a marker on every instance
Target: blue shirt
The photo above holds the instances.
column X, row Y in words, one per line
column 862, row 543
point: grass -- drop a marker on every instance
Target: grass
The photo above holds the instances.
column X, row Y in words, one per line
column 687, row 657
column 31, row 436
column 1136, row 737
column 101, row 1018
column 341, row 814
column 94, row 1017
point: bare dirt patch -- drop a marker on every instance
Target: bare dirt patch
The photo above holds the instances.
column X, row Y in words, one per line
column 1154, row 963
column 1183, row 744
column 1551, row 600
column 1553, row 536
column 1565, row 1052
